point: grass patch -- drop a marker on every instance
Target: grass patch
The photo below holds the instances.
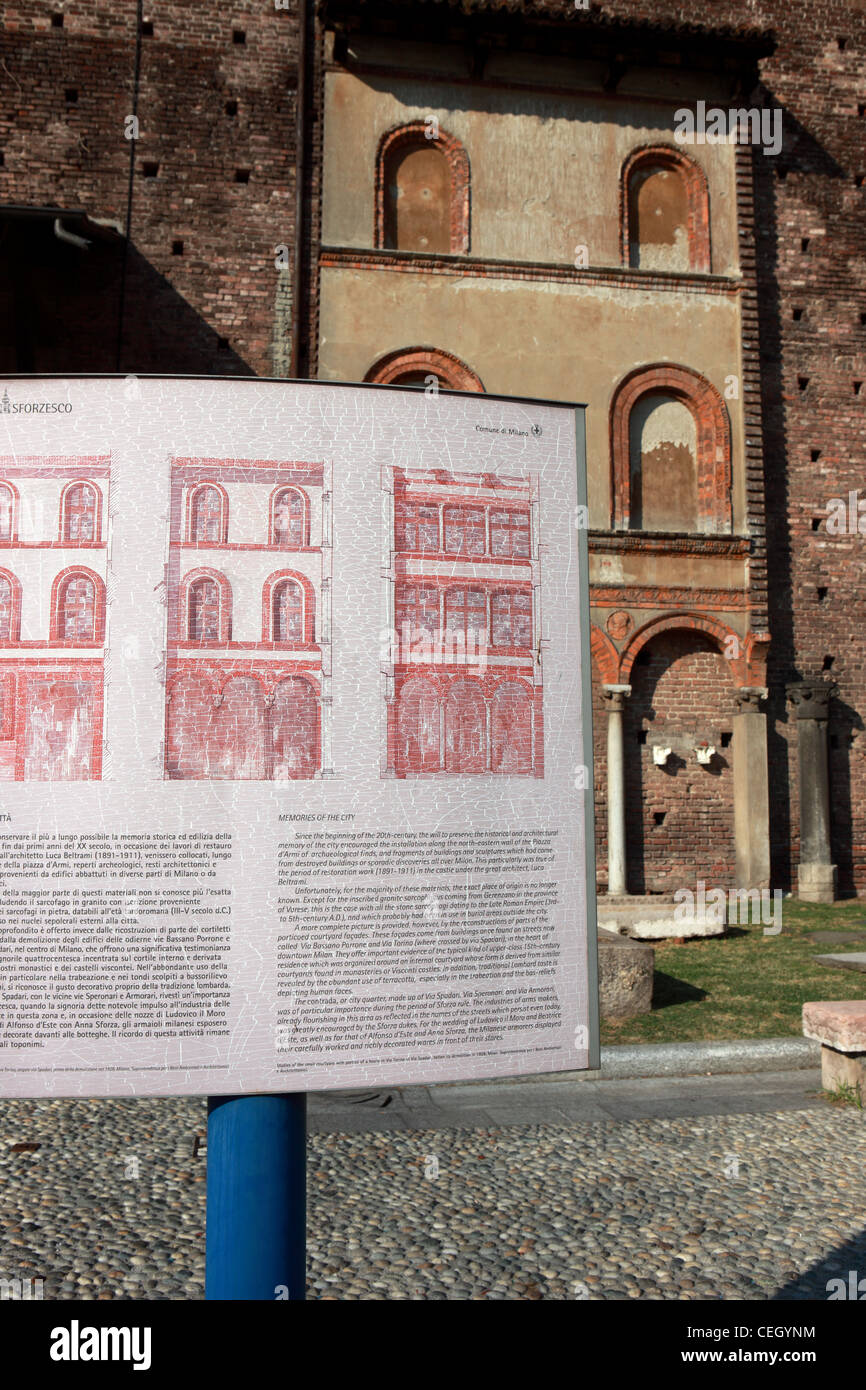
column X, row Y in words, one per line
column 745, row 984
column 844, row 1093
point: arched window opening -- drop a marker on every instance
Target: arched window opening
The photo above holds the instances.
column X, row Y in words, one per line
column 663, row 465
column 512, row 619
column 204, row 611
column 7, row 512
column 77, row 609
column 288, row 612
column 207, row 515
column 289, row 519
column 665, row 212
column 670, row 452
column 658, row 234
column 80, row 513
column 7, row 609
column 422, row 191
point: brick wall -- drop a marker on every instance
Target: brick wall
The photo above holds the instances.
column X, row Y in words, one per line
column 680, row 816
column 202, row 289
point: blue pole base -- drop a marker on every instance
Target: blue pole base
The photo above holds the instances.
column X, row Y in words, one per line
column 256, row 1198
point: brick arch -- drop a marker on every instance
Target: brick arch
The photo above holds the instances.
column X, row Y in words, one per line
column 58, row 592
column 713, row 432
column 309, row 598
column 416, row 134
column 205, row 680
column 697, row 198
column 697, row 623
column 431, row 361
column 605, row 655
column 225, row 603
column 226, row 677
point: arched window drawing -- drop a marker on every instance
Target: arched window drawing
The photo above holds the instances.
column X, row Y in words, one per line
column 670, row 452
column 465, row 531
column 206, row 607
column 204, row 611
column 509, row 532
column 8, row 512
column 416, row 526
column 422, row 191
column 80, row 513
column 208, row 515
column 237, row 753
column 419, row 735
column 294, row 718
column 511, row 616
column 465, row 729
column 511, row 725
column 417, row 607
column 466, row 613
column 288, row 612
column 664, row 211
column 6, row 604
column 78, row 609
column 288, row 609
column 10, row 608
column 289, row 518
column 416, row 366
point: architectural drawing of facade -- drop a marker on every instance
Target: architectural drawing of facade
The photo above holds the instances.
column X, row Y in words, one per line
column 53, row 523
column 463, row 678
column 248, row 658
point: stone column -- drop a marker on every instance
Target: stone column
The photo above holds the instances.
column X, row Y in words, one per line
column 811, row 701
column 751, row 789
column 614, row 697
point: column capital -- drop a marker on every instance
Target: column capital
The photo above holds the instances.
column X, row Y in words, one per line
column 614, row 697
column 748, row 698
column 811, row 698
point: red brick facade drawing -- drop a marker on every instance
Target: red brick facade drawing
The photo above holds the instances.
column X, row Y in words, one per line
column 463, row 677
column 248, row 660
column 52, row 617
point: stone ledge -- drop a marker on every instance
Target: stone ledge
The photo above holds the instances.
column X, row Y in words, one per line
column 837, row 1023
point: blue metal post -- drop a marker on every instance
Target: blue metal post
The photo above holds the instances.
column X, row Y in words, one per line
column 256, row 1197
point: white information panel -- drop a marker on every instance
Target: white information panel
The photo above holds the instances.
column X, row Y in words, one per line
column 295, row 737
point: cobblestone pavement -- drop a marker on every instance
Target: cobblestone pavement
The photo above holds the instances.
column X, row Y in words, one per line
column 111, row 1205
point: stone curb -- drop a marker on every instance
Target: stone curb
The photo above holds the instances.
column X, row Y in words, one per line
column 629, row 1062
